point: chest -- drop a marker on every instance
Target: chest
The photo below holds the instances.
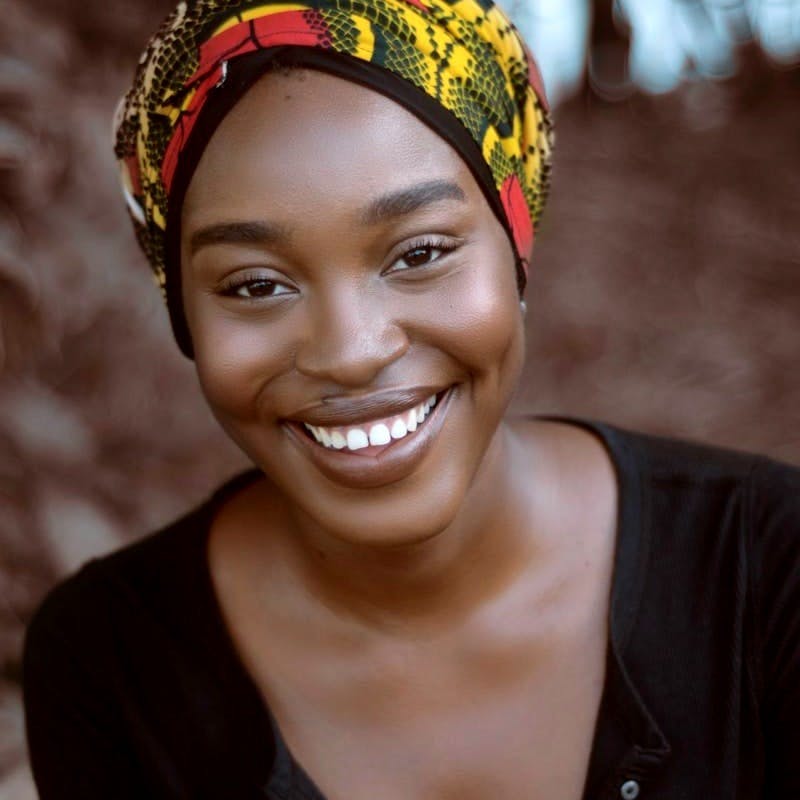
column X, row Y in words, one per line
column 447, row 720
column 501, row 705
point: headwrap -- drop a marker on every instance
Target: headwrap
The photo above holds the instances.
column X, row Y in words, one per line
column 460, row 65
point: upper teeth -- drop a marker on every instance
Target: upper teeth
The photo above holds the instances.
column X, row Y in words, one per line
column 378, row 432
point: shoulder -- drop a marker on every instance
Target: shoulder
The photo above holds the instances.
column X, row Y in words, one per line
column 697, row 511
column 664, row 480
column 725, row 526
column 80, row 615
column 679, row 461
column 79, row 659
column 752, row 497
column 761, row 495
column 128, row 680
column 664, row 458
column 148, row 579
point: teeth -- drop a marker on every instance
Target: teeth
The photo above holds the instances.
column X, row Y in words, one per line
column 357, row 439
column 379, row 435
column 399, row 429
column 315, row 432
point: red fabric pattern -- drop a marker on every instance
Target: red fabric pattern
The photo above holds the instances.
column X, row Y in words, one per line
column 535, row 79
column 418, row 4
column 132, row 164
column 285, row 28
column 519, row 217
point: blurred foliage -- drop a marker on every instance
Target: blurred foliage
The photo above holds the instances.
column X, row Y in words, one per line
column 652, row 44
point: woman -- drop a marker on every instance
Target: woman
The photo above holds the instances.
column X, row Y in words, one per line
column 410, row 596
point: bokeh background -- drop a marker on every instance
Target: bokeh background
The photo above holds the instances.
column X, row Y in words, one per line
column 665, row 294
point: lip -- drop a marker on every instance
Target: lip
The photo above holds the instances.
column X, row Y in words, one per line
column 358, row 470
column 340, row 411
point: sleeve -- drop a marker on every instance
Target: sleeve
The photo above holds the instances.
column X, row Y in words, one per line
column 76, row 743
column 776, row 521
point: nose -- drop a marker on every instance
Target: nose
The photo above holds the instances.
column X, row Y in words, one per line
column 351, row 338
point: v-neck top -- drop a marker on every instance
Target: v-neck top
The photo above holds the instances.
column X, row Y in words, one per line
column 133, row 686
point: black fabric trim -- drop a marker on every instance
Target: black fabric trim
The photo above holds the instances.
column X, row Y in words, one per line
column 242, row 74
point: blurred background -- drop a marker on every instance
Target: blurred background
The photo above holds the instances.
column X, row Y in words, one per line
column 665, row 293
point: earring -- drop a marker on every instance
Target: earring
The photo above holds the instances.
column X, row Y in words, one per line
column 523, row 307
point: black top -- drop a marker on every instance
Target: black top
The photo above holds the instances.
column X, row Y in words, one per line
column 133, row 688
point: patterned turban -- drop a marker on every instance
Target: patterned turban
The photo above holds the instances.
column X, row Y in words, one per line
column 460, row 65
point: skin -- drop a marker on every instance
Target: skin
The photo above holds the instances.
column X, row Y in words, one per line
column 437, row 628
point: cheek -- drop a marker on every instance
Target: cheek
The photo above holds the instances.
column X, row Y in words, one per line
column 235, row 361
column 478, row 315
column 231, row 357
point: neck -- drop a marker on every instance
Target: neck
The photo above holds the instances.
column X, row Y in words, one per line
column 442, row 578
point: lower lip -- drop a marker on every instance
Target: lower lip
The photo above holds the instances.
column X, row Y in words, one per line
column 363, row 470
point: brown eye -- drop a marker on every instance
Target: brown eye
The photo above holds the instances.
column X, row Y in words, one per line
column 255, row 289
column 420, row 256
column 422, row 253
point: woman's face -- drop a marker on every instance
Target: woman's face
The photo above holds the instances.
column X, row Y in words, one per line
column 340, row 268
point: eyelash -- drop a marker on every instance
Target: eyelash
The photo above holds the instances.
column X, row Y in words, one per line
column 232, row 286
column 443, row 245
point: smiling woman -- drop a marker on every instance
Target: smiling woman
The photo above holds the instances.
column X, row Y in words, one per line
column 411, row 595
column 348, row 291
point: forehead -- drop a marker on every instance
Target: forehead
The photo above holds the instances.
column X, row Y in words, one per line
column 305, row 136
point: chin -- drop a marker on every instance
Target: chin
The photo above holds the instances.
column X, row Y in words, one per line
column 404, row 513
column 386, row 518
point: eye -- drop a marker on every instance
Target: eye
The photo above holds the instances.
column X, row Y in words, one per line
column 422, row 253
column 254, row 287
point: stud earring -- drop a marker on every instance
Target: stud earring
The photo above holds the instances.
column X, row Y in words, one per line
column 523, row 307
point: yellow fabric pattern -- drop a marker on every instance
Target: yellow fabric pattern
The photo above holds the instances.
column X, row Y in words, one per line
column 465, row 54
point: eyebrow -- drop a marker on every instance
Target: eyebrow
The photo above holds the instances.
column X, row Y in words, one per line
column 237, row 233
column 405, row 201
column 384, row 208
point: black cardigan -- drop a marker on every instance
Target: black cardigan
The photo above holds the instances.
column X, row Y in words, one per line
column 133, row 688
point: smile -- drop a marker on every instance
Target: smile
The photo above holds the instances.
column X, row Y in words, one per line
column 376, row 432
column 373, row 441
